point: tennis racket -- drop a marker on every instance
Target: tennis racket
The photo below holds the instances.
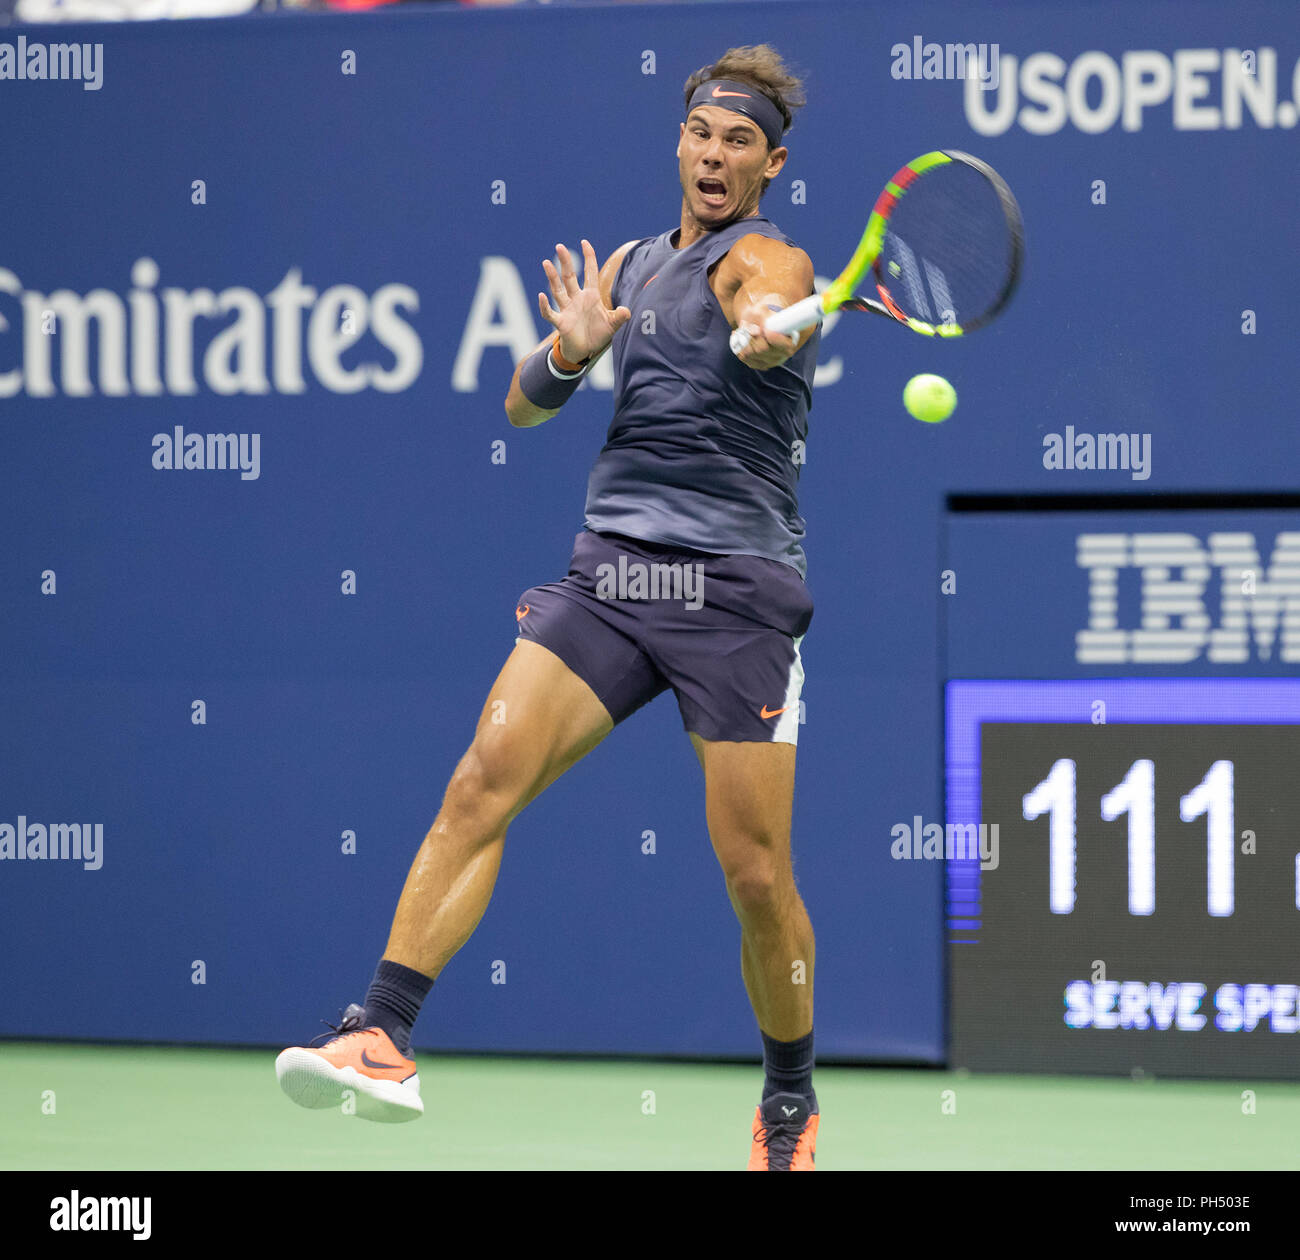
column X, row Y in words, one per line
column 944, row 244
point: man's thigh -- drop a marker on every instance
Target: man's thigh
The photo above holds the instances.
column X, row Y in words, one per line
column 749, row 799
column 539, row 719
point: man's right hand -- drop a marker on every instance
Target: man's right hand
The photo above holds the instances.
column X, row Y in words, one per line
column 584, row 323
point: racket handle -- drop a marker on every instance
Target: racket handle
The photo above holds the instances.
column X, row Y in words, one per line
column 803, row 314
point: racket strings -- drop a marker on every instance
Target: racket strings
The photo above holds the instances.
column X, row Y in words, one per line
column 950, row 249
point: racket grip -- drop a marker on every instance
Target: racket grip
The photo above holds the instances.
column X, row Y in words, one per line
column 803, row 314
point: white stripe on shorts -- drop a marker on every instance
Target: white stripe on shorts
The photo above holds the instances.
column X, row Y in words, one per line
column 787, row 727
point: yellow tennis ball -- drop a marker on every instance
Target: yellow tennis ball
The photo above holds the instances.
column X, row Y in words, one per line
column 929, row 398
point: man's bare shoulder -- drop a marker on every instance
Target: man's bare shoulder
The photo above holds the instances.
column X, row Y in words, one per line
column 755, row 251
column 756, row 254
column 610, row 270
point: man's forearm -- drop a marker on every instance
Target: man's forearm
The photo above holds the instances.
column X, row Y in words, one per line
column 546, row 383
column 523, row 414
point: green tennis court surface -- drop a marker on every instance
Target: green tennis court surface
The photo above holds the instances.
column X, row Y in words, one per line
column 119, row 1107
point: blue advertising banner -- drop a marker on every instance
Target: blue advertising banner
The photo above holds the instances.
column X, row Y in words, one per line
column 1047, row 594
column 263, row 283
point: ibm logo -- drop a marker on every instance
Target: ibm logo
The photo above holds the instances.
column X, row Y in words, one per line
column 1257, row 603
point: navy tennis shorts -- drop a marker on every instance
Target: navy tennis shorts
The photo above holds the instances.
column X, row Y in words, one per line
column 635, row 618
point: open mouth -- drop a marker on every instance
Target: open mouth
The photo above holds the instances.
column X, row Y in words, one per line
column 713, row 191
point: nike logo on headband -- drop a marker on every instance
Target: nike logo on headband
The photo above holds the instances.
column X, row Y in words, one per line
column 753, row 105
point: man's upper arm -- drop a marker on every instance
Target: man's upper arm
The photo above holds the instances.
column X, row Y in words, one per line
column 761, row 265
column 609, row 272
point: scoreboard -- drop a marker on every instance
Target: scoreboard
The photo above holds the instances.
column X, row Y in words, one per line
column 1133, row 902
column 1144, row 909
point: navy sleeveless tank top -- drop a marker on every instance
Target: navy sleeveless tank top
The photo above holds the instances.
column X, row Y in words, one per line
column 702, row 449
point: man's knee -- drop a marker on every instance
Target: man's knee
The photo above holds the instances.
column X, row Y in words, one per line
column 758, row 884
column 490, row 783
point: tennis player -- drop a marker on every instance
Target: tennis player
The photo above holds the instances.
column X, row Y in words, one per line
column 692, row 499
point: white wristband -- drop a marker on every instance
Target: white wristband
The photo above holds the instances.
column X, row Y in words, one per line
column 555, row 372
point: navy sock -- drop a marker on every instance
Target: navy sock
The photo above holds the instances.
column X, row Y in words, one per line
column 394, row 999
column 788, row 1066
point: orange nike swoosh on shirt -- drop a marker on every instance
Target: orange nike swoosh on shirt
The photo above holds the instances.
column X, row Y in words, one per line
column 765, row 712
column 521, row 612
column 720, row 92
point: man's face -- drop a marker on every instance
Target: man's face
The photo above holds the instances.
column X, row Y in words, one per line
column 722, row 158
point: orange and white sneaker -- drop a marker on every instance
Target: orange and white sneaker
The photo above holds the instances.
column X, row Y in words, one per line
column 785, row 1135
column 358, row 1060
